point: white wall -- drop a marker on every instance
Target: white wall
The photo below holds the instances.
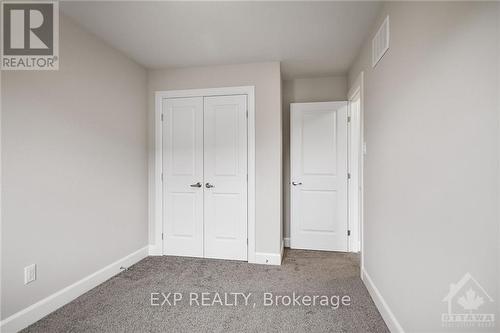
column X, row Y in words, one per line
column 432, row 163
column 74, row 167
column 318, row 89
column 267, row 81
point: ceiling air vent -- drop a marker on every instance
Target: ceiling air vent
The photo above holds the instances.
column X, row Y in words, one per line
column 380, row 43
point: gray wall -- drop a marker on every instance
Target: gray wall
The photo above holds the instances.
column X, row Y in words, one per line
column 267, row 81
column 74, row 167
column 498, row 107
column 432, row 163
column 318, row 89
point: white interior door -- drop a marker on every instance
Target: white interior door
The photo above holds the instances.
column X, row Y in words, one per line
column 319, row 176
column 183, row 176
column 225, row 169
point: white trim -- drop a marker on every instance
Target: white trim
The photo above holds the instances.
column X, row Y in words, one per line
column 158, row 167
column 354, row 158
column 40, row 309
column 268, row 258
column 159, row 96
column 155, row 250
column 286, row 241
column 382, row 306
column 358, row 87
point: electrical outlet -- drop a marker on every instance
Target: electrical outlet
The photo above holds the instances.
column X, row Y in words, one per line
column 29, row 273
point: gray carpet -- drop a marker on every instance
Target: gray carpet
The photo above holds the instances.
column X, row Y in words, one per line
column 123, row 303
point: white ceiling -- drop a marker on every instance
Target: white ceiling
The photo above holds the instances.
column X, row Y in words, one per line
column 309, row 38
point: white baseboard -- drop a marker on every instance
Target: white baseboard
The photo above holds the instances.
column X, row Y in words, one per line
column 268, row 258
column 287, row 241
column 155, row 250
column 40, row 309
column 388, row 316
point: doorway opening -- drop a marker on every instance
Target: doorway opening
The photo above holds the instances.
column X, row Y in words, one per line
column 326, row 174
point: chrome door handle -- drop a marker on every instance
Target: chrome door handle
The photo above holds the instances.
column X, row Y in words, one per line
column 198, row 184
column 208, row 185
column 295, row 183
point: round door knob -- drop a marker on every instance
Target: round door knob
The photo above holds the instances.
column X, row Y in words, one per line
column 208, row 185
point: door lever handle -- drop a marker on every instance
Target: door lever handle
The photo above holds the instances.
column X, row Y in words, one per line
column 295, row 183
column 208, row 185
column 198, row 184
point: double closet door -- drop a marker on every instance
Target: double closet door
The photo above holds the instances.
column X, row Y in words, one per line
column 205, row 177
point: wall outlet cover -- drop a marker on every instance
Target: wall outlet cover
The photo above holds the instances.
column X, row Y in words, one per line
column 29, row 273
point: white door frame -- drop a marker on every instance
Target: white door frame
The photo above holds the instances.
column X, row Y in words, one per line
column 358, row 88
column 157, row 248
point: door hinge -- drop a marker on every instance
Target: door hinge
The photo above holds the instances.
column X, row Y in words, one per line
column 247, row 114
column 348, row 232
column 349, row 119
column 162, row 117
column 162, row 236
column 162, row 176
column 348, row 175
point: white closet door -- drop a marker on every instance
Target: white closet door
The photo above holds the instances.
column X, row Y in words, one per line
column 225, row 170
column 319, row 176
column 183, row 176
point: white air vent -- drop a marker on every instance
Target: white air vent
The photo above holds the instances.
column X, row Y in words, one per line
column 380, row 43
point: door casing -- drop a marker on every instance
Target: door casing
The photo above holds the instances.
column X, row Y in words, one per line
column 357, row 89
column 156, row 221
